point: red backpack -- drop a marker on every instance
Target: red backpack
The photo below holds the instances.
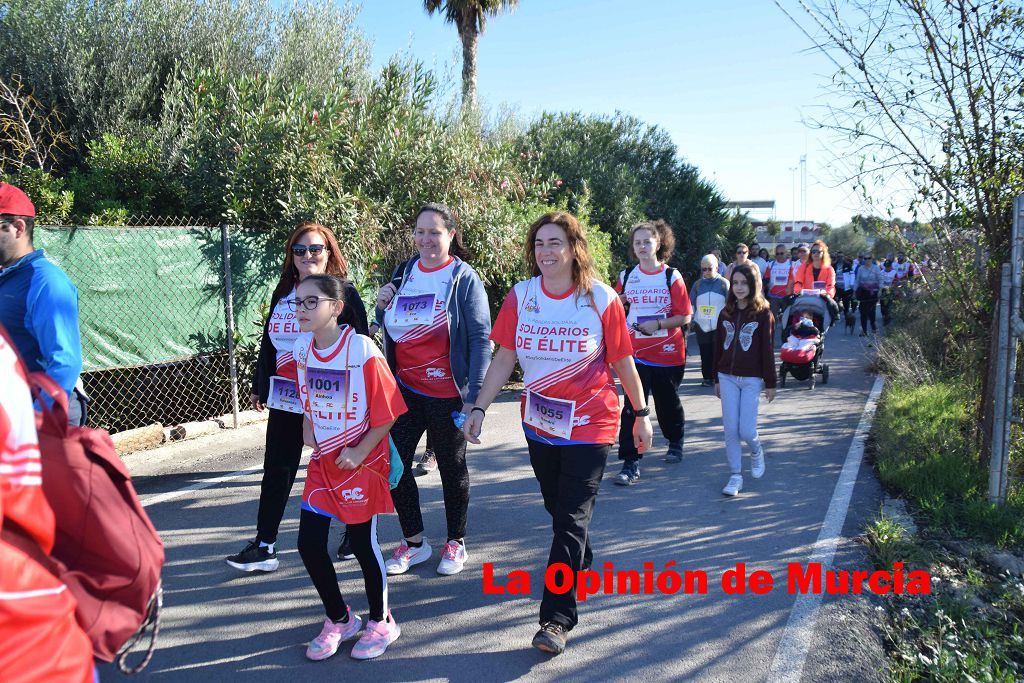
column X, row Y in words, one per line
column 106, row 551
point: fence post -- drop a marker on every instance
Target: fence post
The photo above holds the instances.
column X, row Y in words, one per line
column 229, row 314
column 996, row 465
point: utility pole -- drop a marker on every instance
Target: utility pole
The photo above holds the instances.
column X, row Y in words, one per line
column 803, row 187
column 792, row 174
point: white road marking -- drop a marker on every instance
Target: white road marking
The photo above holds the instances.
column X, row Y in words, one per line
column 796, row 638
column 198, row 486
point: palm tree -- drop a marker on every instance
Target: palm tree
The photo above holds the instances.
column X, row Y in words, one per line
column 469, row 17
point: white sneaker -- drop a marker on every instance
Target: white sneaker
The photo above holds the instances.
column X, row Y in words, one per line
column 453, row 558
column 406, row 556
column 757, row 464
column 734, row 486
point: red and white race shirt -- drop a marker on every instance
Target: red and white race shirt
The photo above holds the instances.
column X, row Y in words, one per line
column 283, row 328
column 652, row 298
column 41, row 639
column 902, row 270
column 888, row 277
column 417, row 319
column 778, row 277
column 794, row 266
column 345, row 391
column 565, row 344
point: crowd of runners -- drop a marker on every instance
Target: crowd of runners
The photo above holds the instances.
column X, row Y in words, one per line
column 362, row 389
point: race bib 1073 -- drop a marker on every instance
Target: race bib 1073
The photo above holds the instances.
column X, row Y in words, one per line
column 414, row 309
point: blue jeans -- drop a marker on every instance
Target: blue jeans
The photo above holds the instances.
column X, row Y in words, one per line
column 740, row 398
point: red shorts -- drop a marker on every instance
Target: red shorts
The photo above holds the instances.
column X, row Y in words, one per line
column 351, row 496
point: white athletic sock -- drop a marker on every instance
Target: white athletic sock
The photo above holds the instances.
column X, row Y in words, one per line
column 268, row 546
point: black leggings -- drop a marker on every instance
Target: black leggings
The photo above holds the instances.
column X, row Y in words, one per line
column 706, row 343
column 280, row 463
column 867, row 314
column 313, row 531
column 663, row 384
column 433, row 416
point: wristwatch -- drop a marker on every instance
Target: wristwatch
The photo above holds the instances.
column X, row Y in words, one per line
column 643, row 412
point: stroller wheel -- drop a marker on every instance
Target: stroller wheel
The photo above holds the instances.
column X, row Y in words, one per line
column 824, row 374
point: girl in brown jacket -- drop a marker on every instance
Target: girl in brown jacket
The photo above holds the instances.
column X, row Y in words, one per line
column 744, row 365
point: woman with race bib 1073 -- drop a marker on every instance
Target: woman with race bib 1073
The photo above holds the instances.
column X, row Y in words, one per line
column 566, row 328
column 436, row 324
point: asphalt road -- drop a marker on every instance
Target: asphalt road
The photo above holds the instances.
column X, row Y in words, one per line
column 219, row 624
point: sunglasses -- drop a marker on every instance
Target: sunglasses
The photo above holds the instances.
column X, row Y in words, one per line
column 313, row 249
column 309, row 303
column 742, row 253
column 815, row 251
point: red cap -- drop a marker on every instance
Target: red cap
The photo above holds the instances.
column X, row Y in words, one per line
column 14, row 202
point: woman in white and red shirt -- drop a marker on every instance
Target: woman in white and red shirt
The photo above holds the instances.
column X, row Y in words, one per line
column 311, row 249
column 436, row 323
column 565, row 328
column 658, row 308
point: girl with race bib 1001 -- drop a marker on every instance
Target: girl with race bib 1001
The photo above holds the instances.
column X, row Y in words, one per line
column 349, row 401
column 565, row 328
column 658, row 309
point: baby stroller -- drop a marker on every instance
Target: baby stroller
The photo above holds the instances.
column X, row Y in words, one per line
column 804, row 364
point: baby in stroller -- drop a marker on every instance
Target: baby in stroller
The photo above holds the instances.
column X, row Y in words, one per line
column 801, row 353
column 803, row 338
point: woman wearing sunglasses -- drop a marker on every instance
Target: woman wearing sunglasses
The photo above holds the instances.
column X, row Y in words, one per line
column 817, row 273
column 311, row 249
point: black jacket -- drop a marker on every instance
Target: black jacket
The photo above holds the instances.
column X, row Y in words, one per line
column 266, row 363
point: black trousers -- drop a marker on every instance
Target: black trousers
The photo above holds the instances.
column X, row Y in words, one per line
column 845, row 299
column 569, row 478
column 885, row 303
column 867, row 314
column 433, row 416
column 663, row 384
column 280, row 463
column 313, row 531
column 706, row 343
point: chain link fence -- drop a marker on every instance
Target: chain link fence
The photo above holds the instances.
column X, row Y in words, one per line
column 169, row 312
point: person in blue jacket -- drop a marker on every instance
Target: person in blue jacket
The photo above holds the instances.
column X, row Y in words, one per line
column 38, row 302
column 437, row 325
column 707, row 297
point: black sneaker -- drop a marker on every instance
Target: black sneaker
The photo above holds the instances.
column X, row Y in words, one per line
column 253, row 558
column 345, row 550
column 551, row 638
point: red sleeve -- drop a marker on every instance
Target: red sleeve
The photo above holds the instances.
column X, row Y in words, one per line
column 616, row 335
column 618, row 284
column 798, row 281
column 503, row 332
column 680, row 298
column 830, row 281
column 382, row 392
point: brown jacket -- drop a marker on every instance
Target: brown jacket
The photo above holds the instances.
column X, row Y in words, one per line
column 744, row 345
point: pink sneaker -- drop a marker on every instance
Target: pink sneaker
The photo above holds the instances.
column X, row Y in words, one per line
column 376, row 638
column 332, row 636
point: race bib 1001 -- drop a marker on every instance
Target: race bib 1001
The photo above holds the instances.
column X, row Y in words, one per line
column 284, row 395
column 327, row 389
column 550, row 415
column 640, row 319
column 414, row 309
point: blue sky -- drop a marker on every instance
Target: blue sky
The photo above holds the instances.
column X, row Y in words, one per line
column 730, row 81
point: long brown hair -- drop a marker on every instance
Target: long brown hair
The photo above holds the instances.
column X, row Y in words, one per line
column 757, row 301
column 662, row 232
column 583, row 271
column 336, row 263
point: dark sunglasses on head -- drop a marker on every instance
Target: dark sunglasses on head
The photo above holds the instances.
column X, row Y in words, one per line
column 313, row 249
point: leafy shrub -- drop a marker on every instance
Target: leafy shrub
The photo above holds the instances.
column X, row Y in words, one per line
column 52, row 199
